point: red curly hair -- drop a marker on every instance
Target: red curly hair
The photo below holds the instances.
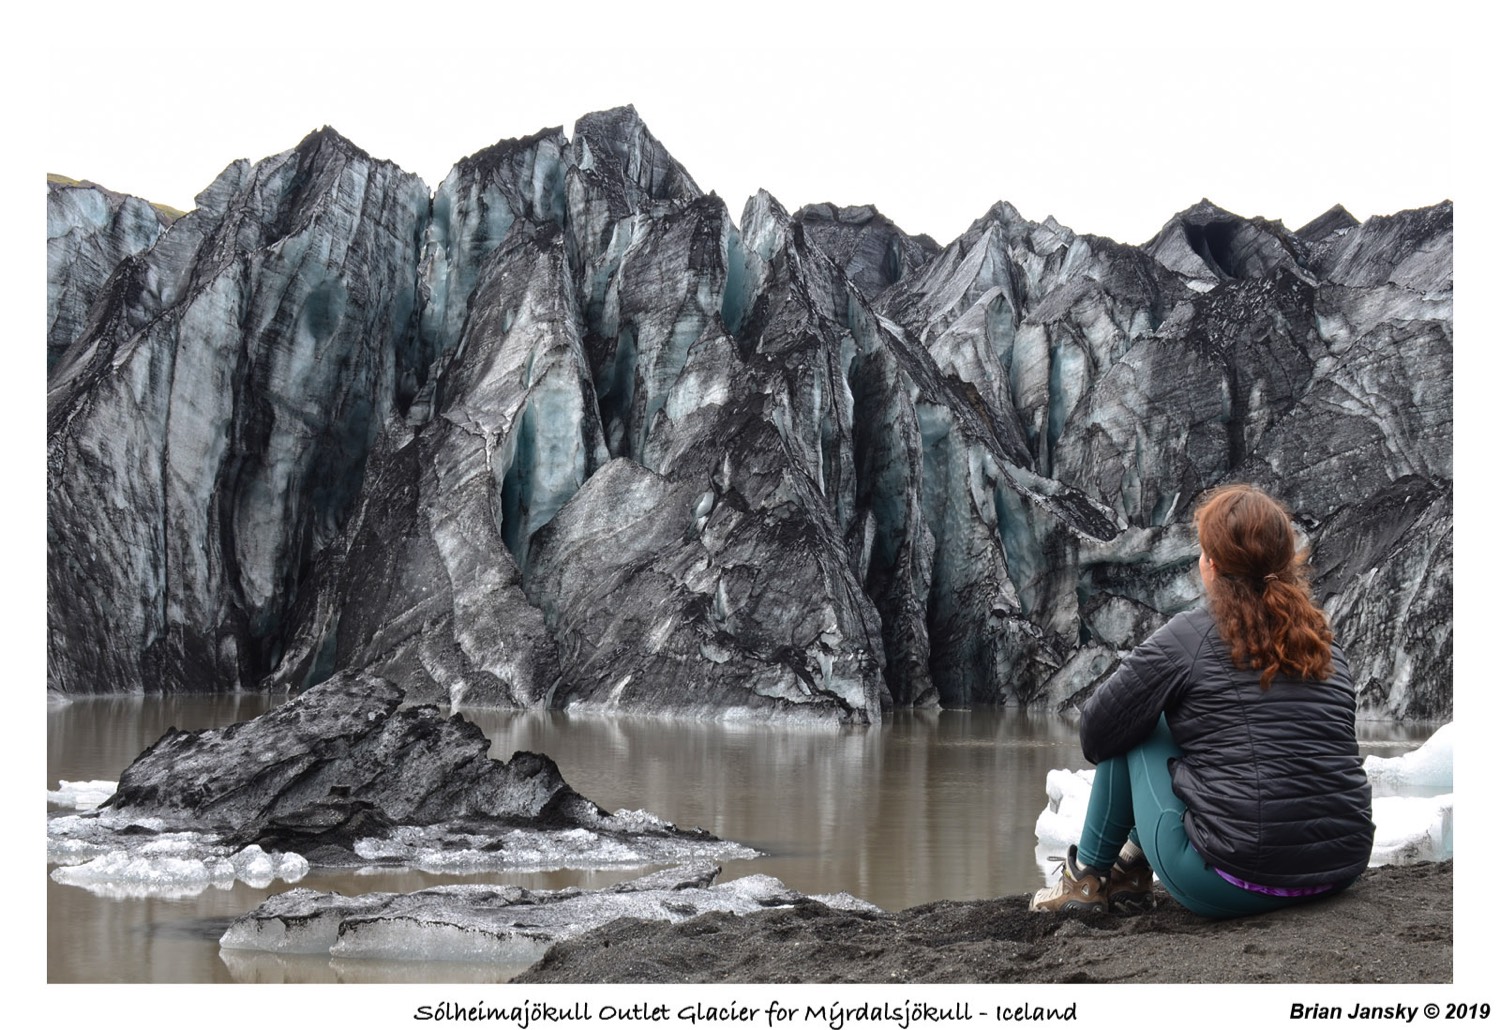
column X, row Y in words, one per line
column 1260, row 597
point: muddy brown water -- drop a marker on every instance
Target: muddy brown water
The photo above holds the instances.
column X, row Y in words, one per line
column 930, row 805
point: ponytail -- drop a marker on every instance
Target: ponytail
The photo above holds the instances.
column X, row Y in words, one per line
column 1260, row 597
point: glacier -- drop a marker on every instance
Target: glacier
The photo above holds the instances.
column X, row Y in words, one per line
column 91, row 231
column 565, row 433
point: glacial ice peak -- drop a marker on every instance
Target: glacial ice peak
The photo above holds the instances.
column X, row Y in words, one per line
column 317, row 144
column 497, row 156
column 624, row 152
column 346, row 415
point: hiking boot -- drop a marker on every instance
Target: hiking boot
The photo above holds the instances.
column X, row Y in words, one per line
column 1129, row 887
column 1079, row 889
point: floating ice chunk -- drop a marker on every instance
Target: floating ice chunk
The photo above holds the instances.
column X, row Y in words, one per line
column 259, row 869
column 120, row 874
column 1430, row 765
column 502, row 924
column 297, row 922
column 74, row 840
column 1412, row 830
column 124, row 859
column 636, row 820
column 847, row 902
column 627, row 838
column 291, row 867
column 429, row 940
column 111, row 852
column 1067, row 800
column 253, row 861
column 81, row 794
column 72, row 852
column 759, row 890
column 176, row 868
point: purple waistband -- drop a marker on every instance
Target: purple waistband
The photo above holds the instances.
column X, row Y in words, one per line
column 1276, row 892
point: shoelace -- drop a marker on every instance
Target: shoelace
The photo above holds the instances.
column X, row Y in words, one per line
column 1063, row 871
column 1062, row 867
column 1062, row 863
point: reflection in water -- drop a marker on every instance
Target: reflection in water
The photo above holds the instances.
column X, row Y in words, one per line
column 932, row 805
column 259, row 967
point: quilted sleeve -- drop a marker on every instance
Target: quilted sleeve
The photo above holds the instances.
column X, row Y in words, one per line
column 1125, row 710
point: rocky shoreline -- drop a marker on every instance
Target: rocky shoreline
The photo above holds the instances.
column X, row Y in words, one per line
column 1394, row 926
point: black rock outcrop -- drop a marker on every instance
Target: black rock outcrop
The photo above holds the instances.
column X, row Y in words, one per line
column 346, row 774
column 340, row 762
column 567, row 434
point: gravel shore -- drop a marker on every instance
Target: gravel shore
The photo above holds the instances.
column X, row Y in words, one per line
column 1394, row 926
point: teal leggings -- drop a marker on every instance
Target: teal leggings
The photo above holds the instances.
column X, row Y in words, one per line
column 1132, row 797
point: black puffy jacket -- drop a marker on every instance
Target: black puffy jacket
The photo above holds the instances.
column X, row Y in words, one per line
column 1271, row 780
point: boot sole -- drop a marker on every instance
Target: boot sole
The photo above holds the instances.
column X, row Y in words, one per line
column 1077, row 906
column 1131, row 904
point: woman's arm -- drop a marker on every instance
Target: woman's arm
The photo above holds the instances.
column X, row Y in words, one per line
column 1124, row 711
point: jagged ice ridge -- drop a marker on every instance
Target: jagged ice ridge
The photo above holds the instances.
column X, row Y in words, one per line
column 564, row 433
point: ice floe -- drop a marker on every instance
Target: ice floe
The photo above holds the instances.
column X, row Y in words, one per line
column 81, row 794
column 1429, row 766
column 495, row 923
column 116, row 855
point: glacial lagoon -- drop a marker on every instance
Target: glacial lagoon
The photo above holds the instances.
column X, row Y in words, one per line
column 932, row 805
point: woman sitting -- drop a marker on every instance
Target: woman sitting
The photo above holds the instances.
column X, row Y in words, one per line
column 1225, row 745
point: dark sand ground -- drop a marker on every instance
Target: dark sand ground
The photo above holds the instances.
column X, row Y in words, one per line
column 1393, row 926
